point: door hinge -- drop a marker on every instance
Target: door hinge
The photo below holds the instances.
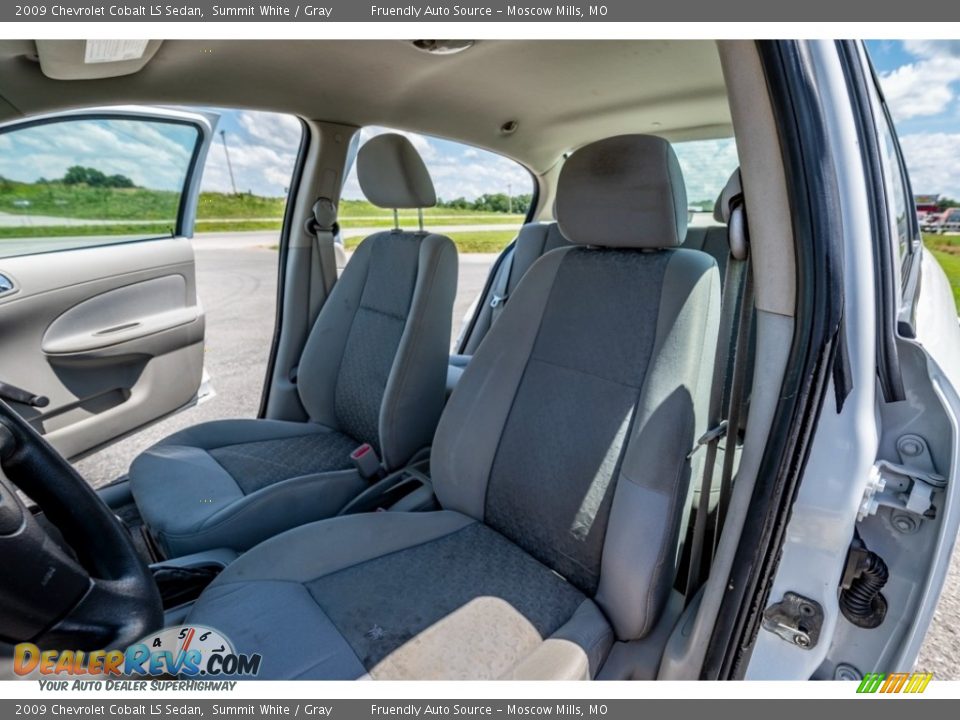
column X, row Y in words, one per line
column 906, row 487
column 796, row 619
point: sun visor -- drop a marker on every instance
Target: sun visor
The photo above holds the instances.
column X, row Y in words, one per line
column 94, row 59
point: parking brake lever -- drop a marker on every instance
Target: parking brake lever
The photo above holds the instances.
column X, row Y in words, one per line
column 18, row 395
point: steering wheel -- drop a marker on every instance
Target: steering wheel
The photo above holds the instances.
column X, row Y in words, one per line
column 102, row 596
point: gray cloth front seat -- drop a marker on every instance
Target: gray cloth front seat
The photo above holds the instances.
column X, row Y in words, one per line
column 536, row 239
column 373, row 370
column 560, row 463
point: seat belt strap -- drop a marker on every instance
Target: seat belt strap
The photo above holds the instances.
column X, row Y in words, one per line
column 738, row 391
column 501, row 286
column 322, row 225
column 715, row 421
column 728, row 363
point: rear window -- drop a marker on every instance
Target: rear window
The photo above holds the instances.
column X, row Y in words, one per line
column 706, row 166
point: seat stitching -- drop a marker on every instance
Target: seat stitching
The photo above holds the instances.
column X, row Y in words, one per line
column 586, row 372
column 385, row 313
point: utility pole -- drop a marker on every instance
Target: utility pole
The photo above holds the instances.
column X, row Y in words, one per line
column 233, row 183
column 510, row 197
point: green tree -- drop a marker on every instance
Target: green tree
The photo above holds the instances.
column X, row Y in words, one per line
column 91, row 177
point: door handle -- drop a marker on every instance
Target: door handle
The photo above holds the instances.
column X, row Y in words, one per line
column 19, row 395
column 6, row 284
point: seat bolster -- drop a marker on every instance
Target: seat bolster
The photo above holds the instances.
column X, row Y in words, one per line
column 325, row 345
column 574, row 652
column 177, row 488
column 415, row 392
column 253, row 518
column 311, row 551
column 469, row 432
column 651, row 502
column 223, row 433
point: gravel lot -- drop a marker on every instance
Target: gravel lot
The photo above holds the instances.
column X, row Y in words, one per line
column 236, row 278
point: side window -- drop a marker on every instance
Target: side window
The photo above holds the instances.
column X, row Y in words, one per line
column 900, row 206
column 706, row 166
column 902, row 202
column 482, row 200
column 71, row 183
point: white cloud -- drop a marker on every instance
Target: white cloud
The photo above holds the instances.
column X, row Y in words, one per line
column 931, row 169
column 932, row 48
column 923, row 88
column 706, row 167
column 928, row 86
column 263, row 153
column 151, row 155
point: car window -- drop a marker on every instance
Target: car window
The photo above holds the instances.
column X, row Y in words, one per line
column 901, row 202
column 706, row 166
column 72, row 183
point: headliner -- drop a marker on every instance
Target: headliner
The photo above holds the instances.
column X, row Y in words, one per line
column 563, row 93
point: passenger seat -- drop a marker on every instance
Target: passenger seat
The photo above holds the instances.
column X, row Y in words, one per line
column 373, row 371
column 537, row 239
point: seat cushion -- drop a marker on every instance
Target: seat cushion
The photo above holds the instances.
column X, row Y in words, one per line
column 403, row 596
column 234, row 483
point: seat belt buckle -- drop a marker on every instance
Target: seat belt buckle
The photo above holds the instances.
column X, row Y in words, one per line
column 366, row 461
column 497, row 300
column 714, row 433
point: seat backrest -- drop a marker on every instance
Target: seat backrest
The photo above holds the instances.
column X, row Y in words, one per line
column 375, row 364
column 536, row 239
column 570, row 429
column 533, row 240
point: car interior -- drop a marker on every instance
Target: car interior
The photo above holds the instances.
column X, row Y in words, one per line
column 558, row 496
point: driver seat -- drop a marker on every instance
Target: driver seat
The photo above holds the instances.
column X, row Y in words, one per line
column 560, row 463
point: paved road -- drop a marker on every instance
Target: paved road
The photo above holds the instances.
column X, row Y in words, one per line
column 237, row 283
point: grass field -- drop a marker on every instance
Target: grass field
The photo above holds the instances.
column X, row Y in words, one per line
column 946, row 248
column 151, row 212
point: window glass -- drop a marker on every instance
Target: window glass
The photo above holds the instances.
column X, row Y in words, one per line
column 71, row 183
column 707, row 166
column 900, row 203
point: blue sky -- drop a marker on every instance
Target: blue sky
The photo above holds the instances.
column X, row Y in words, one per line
column 921, row 81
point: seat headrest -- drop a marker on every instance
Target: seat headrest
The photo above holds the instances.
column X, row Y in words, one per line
column 392, row 174
column 624, row 191
column 721, row 209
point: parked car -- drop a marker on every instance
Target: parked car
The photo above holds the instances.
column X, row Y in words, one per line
column 723, row 453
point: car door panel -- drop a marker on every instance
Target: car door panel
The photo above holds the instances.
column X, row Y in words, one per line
column 108, row 330
column 116, row 346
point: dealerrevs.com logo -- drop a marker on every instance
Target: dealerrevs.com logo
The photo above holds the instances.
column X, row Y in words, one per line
column 188, row 651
